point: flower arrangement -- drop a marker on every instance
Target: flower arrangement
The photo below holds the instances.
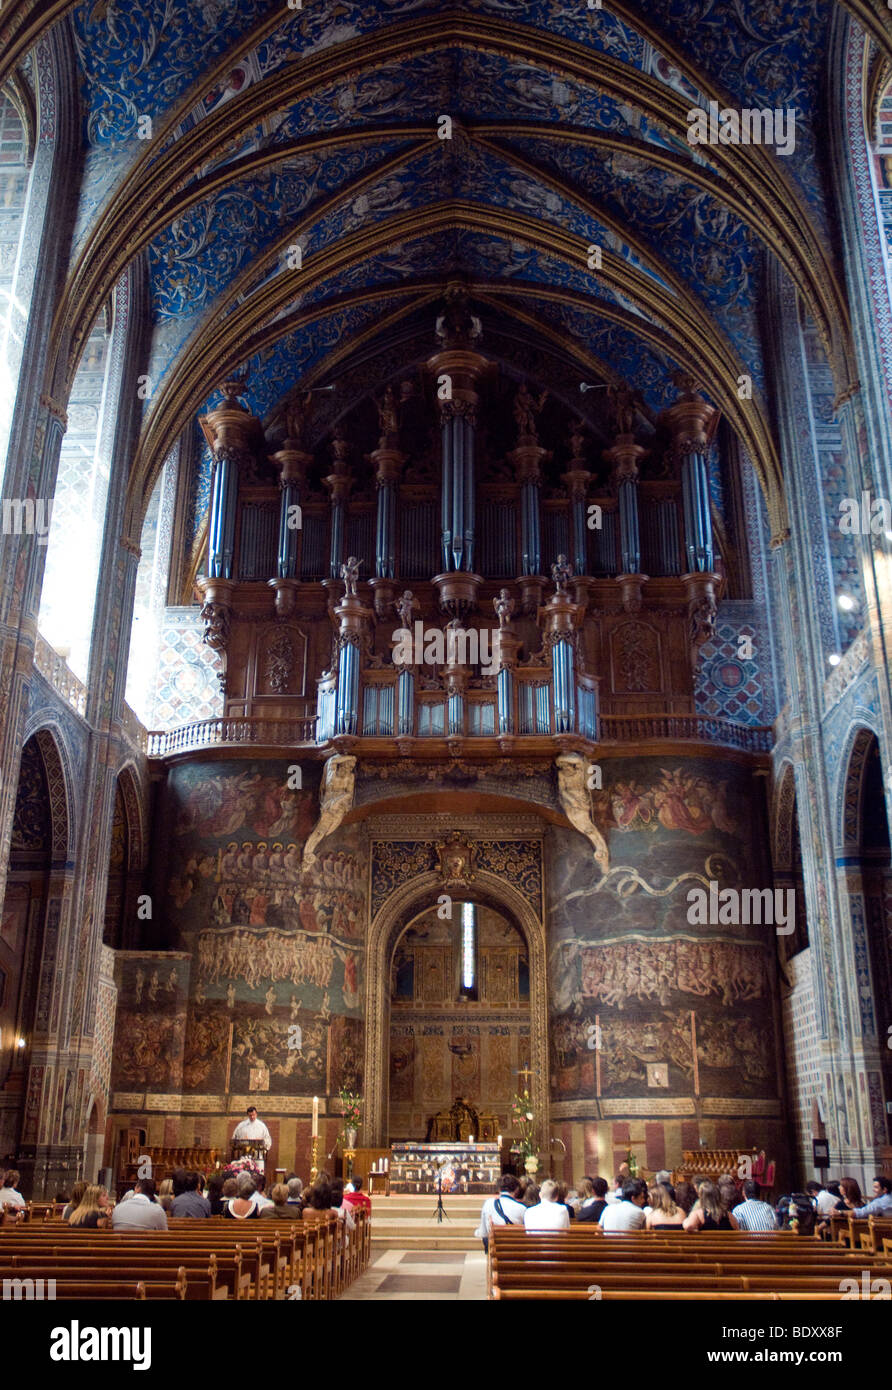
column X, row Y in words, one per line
column 522, row 1119
column 351, row 1110
column 243, row 1165
column 633, row 1164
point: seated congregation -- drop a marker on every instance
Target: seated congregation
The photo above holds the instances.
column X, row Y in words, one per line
column 182, row 1240
column 699, row 1239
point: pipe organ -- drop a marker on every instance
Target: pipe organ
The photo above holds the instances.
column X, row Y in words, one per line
column 587, row 590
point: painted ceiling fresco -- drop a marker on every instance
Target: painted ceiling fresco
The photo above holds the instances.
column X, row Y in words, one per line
column 259, row 128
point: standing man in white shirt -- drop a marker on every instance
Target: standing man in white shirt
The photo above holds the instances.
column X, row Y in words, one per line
column 629, row 1214
column 253, row 1130
column 547, row 1215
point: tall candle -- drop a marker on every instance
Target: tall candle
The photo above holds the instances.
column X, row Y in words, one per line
column 499, row 1140
column 315, row 1117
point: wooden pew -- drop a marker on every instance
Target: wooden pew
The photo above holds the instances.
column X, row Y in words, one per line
column 647, row 1263
column 218, row 1258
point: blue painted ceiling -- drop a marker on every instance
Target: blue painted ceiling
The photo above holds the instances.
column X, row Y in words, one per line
column 545, row 160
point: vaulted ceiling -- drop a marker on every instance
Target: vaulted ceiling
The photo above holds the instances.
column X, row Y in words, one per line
column 220, row 137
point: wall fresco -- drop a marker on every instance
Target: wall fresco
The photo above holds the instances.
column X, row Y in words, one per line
column 276, row 955
column 643, row 1001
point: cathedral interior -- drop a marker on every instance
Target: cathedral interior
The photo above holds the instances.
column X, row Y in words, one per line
column 445, row 579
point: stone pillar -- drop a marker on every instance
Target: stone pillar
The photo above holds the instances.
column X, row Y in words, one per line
column 38, row 418
column 841, row 1071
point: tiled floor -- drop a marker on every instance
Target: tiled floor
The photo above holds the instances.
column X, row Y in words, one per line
column 422, row 1274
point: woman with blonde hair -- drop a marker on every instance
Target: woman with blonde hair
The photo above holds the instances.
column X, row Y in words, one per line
column 709, row 1214
column 165, row 1195
column 665, row 1213
column 77, row 1192
column 92, row 1213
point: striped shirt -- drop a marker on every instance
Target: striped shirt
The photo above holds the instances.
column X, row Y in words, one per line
column 755, row 1216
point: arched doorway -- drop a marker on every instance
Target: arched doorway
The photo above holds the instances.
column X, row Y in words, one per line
column 501, row 908
column 459, row 1020
column 32, row 928
column 796, row 980
column 120, row 926
column 866, row 864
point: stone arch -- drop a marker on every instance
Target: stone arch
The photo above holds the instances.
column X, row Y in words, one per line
column 783, row 816
column 394, row 915
column 50, row 741
column 849, row 795
column 126, row 863
column 128, row 781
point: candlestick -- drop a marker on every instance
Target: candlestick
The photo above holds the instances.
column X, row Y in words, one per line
column 314, row 1162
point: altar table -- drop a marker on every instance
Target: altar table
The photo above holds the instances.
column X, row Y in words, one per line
column 459, row 1167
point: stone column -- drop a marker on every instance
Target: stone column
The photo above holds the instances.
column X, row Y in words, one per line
column 38, row 418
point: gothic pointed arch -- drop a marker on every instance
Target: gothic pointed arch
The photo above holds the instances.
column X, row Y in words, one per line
column 388, row 925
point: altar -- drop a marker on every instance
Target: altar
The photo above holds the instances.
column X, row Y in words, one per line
column 458, row 1167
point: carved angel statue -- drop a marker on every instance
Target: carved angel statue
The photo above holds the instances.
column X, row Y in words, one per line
column 623, row 405
column 504, row 606
column 577, row 803
column 350, row 575
column 298, row 414
column 561, row 571
column 405, row 607
column 526, row 408
column 335, row 800
column 577, row 446
column 388, row 419
column 457, row 326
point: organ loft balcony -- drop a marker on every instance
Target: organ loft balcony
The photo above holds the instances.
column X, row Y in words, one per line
column 471, row 572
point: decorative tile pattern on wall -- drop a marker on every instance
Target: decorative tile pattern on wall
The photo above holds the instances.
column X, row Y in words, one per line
column 727, row 685
column 104, row 1030
column 187, row 686
column 799, row 1023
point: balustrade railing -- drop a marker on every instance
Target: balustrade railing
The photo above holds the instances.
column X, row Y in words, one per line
column 206, row 733
column 134, row 729
column 701, row 728
column 481, row 723
column 55, row 670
